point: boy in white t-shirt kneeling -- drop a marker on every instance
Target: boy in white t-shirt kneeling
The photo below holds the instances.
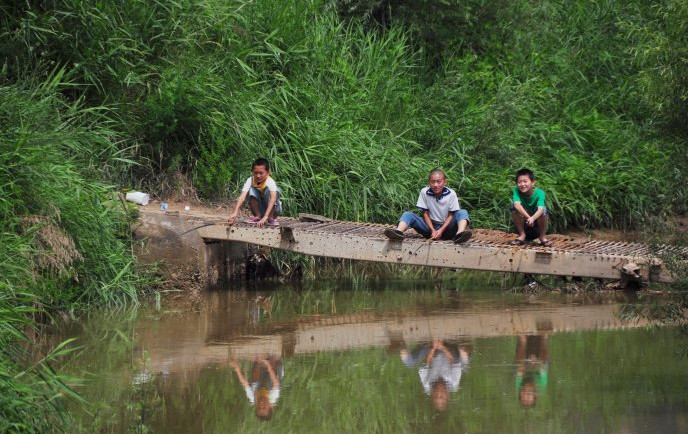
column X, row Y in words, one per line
column 263, row 196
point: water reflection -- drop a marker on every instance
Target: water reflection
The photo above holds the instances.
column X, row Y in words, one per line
column 441, row 365
column 367, row 361
column 532, row 365
column 263, row 390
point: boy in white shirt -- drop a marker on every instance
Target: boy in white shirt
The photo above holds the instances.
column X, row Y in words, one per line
column 442, row 219
column 263, row 196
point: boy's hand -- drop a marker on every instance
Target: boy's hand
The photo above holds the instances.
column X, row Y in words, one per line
column 261, row 222
column 232, row 218
column 436, row 234
column 530, row 221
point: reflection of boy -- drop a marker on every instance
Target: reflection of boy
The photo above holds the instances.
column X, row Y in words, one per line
column 532, row 357
column 263, row 195
column 264, row 389
column 442, row 217
column 441, row 373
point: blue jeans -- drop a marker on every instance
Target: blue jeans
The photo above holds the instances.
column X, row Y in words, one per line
column 416, row 222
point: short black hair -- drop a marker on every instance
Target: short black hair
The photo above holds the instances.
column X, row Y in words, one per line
column 529, row 173
column 437, row 171
column 261, row 162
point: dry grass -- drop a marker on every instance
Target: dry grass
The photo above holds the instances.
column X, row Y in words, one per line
column 55, row 251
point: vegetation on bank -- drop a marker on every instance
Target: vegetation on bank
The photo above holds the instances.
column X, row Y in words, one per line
column 359, row 98
column 65, row 236
column 354, row 101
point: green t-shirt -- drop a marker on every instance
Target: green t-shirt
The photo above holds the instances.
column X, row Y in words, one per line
column 531, row 204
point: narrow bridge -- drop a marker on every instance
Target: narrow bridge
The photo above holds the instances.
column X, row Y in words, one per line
column 486, row 250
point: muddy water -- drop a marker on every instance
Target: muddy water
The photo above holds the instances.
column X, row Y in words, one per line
column 391, row 358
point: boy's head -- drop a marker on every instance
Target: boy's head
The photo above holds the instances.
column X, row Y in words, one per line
column 527, row 394
column 260, row 170
column 440, row 395
column 525, row 180
column 263, row 406
column 437, row 181
column 261, row 162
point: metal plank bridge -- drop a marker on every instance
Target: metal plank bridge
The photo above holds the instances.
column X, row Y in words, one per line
column 486, row 250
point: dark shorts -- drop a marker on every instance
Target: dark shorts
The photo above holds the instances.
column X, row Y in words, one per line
column 263, row 200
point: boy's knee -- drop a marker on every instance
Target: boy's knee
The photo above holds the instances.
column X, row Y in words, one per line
column 407, row 217
column 461, row 214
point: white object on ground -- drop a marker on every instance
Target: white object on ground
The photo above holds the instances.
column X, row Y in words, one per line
column 138, row 197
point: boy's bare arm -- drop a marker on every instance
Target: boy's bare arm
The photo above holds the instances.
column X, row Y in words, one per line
column 240, row 375
column 271, row 372
column 519, row 208
column 446, row 352
column 430, row 355
column 447, row 221
column 538, row 213
column 240, row 201
column 531, row 220
column 433, row 233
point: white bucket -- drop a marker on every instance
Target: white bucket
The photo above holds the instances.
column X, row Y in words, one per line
column 137, row 197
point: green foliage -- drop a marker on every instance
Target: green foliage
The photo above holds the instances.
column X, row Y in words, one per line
column 659, row 45
column 65, row 240
column 64, row 222
column 364, row 98
column 30, row 392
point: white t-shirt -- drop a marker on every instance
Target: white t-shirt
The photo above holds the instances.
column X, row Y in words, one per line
column 269, row 183
column 442, row 368
column 273, row 394
column 440, row 205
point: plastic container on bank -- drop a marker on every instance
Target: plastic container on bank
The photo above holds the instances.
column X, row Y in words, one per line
column 138, row 197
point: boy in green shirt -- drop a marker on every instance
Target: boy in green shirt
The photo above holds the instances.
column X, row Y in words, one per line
column 528, row 210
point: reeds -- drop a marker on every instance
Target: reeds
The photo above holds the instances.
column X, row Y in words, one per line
column 64, row 244
column 350, row 109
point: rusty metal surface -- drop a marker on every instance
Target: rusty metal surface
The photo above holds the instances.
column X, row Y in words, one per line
column 486, row 250
column 493, row 238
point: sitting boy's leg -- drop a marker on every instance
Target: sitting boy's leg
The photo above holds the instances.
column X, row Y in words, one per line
column 542, row 227
column 520, row 224
column 254, row 206
column 258, row 202
column 402, row 226
column 462, row 221
column 412, row 220
column 277, row 209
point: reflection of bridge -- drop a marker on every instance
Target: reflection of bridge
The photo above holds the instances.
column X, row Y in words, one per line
column 175, row 345
column 487, row 250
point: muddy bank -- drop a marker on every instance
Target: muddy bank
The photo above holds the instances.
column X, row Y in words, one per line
column 170, row 242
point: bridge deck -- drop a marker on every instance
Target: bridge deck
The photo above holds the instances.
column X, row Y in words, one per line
column 487, row 250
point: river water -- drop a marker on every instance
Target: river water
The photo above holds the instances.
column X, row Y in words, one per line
column 392, row 357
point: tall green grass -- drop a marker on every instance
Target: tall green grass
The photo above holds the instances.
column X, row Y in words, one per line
column 64, row 233
column 357, row 102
